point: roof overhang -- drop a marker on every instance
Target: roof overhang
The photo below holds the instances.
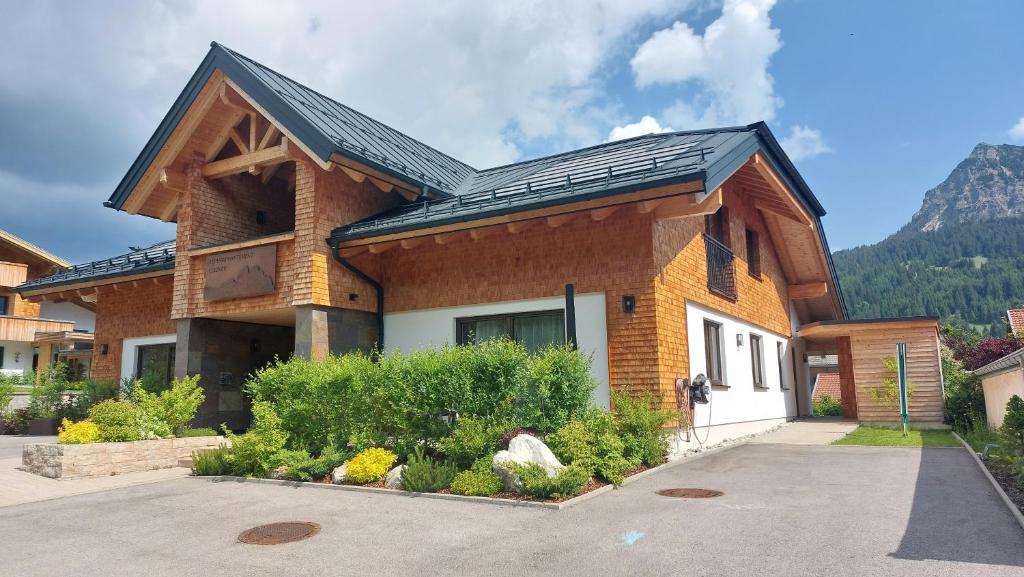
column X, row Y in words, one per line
column 846, row 328
column 30, row 251
column 79, row 289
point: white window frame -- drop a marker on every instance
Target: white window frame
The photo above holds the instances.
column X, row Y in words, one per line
column 130, row 351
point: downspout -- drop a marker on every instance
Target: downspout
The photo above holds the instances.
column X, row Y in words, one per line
column 336, row 253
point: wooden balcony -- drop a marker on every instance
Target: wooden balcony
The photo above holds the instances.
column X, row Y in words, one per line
column 12, row 274
column 24, row 329
column 721, row 272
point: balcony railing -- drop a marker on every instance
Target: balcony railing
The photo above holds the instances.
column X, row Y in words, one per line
column 721, row 275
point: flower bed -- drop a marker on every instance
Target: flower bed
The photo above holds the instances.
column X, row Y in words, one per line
column 59, row 461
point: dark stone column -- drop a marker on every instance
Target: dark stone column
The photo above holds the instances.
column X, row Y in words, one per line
column 321, row 330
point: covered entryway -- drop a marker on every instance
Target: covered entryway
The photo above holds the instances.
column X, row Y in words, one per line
column 866, row 352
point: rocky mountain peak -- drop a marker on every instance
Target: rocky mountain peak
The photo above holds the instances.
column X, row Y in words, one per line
column 986, row 185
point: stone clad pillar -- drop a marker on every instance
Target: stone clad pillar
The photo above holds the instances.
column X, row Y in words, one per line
column 320, row 330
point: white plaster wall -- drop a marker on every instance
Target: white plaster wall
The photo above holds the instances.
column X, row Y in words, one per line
column 84, row 319
column 998, row 389
column 739, row 405
column 411, row 330
column 130, row 351
column 11, row 350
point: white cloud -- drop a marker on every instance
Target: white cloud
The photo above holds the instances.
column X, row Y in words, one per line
column 804, row 142
column 647, row 125
column 1017, row 132
column 728, row 64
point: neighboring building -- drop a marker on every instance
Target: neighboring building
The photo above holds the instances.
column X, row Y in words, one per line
column 33, row 335
column 1001, row 380
column 1016, row 318
column 305, row 227
column 827, row 384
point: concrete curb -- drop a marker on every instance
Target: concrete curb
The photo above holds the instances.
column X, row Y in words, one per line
column 481, row 500
column 995, row 484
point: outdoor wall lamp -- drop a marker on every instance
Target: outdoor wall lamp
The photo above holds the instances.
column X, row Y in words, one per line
column 739, row 340
column 104, row 348
column 628, row 303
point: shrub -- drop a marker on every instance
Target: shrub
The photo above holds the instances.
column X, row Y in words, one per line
column 592, row 444
column 117, row 421
column 211, row 462
column 200, row 432
column 6, row 391
column 641, row 428
column 478, row 481
column 370, row 465
column 304, row 467
column 79, row 433
column 888, row 393
column 174, row 406
column 1012, row 429
column 423, row 474
column 561, row 375
column 965, row 399
column 472, row 439
column 568, row 482
column 826, row 406
column 259, row 449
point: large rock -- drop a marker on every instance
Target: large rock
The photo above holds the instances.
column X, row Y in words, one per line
column 394, row 478
column 339, row 475
column 279, row 473
column 524, row 450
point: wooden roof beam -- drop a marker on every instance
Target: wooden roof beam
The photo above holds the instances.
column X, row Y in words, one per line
column 687, row 206
column 242, row 163
column 764, row 168
column 809, row 290
column 560, row 219
column 383, row 247
column 599, row 214
column 519, row 226
column 408, row 243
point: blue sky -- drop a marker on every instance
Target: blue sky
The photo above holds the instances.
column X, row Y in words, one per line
column 877, row 100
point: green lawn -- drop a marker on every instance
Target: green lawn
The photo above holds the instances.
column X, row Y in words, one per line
column 886, row 437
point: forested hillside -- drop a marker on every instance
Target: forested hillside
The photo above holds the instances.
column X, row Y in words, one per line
column 971, row 272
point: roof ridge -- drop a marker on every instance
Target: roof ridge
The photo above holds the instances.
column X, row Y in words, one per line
column 237, row 54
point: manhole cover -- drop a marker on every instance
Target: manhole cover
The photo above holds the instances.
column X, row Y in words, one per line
column 690, row 493
column 277, row 533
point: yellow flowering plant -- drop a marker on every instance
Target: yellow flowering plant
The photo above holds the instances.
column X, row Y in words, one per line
column 79, row 433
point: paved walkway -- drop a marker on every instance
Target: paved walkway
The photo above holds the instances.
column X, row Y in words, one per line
column 18, row 487
column 787, row 510
column 809, row 431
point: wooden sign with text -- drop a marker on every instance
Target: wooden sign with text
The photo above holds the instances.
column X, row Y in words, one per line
column 241, row 273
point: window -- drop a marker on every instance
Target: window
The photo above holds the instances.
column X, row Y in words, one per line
column 713, row 352
column 3, row 304
column 717, row 226
column 757, row 359
column 753, row 254
column 535, row 330
column 1, row 357
column 780, row 351
column 155, row 363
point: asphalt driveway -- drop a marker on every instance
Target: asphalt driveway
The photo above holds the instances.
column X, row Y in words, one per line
column 787, row 510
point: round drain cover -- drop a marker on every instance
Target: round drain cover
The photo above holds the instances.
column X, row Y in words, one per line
column 277, row 533
column 687, row 493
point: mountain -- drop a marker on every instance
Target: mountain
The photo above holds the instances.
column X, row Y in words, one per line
column 986, row 185
column 961, row 257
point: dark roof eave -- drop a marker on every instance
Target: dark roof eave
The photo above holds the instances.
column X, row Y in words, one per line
column 338, row 235
column 27, row 287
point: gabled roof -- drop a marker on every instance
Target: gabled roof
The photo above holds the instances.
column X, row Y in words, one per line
column 23, row 246
column 827, row 384
column 154, row 258
column 1016, row 318
column 1014, row 360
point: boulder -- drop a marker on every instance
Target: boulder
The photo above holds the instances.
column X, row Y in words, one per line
column 278, row 473
column 339, row 475
column 394, row 478
column 524, row 450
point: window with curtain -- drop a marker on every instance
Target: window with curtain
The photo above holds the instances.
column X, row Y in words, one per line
column 713, row 352
column 535, row 330
column 757, row 359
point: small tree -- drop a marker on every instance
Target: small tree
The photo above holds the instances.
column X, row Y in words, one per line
column 889, row 392
column 1012, row 429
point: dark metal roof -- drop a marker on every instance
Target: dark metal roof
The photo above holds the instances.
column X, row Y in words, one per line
column 324, row 125
column 158, row 257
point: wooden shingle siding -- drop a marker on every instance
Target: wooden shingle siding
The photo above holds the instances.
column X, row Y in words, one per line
column 923, row 371
column 127, row 312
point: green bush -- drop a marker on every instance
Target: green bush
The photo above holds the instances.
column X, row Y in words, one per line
column 369, row 465
column 260, row 448
column 478, row 481
column 302, row 466
column 402, row 400
column 118, row 421
column 425, row 475
column 592, row 444
column 211, row 462
column 826, row 406
column 641, row 428
column 174, row 406
column 965, row 399
column 1012, row 429
column 472, row 439
column 6, row 391
column 568, row 482
column 200, row 432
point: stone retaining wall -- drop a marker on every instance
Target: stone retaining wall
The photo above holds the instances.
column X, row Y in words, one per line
column 101, row 459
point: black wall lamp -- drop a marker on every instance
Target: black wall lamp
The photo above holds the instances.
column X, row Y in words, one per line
column 628, row 303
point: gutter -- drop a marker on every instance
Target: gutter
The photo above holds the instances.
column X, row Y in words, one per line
column 336, row 253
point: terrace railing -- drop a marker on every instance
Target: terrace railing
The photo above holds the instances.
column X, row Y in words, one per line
column 721, row 275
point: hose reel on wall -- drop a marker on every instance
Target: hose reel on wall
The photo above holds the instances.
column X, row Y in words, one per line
column 688, row 395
